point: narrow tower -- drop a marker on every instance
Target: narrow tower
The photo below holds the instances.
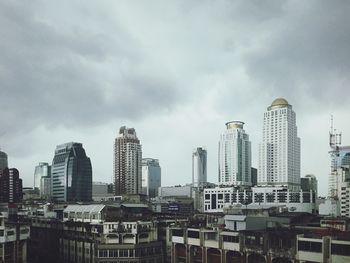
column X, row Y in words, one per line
column 199, row 167
column 235, row 156
column 127, row 162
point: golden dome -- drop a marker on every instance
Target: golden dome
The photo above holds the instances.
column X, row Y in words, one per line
column 280, row 102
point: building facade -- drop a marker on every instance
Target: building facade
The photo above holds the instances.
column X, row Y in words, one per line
column 309, row 183
column 41, row 170
column 3, row 161
column 199, row 167
column 10, row 186
column 216, row 199
column 71, row 174
column 151, row 177
column 279, row 152
column 127, row 162
column 234, row 156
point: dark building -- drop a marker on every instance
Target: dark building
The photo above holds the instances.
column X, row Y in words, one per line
column 71, row 174
column 3, row 161
column 254, row 176
column 10, row 186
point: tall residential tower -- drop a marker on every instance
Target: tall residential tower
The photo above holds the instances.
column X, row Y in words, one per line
column 71, row 174
column 199, row 166
column 127, row 162
column 279, row 152
column 235, row 156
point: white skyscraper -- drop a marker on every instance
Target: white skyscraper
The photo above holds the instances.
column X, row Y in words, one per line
column 279, row 152
column 127, row 162
column 199, row 166
column 235, row 156
column 151, row 177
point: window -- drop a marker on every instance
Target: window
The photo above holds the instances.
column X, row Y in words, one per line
column 231, row 239
column 340, row 249
column 310, row 246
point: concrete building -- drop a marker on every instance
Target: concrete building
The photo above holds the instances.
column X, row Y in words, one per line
column 41, row 170
column 171, row 191
column 216, row 199
column 151, row 177
column 234, row 156
column 279, row 152
column 71, row 174
column 13, row 241
column 3, row 161
column 101, row 191
column 10, row 186
column 199, row 167
column 127, row 162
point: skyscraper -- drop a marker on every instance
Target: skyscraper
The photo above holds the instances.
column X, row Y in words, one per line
column 3, row 161
column 10, row 186
column 151, row 177
column 71, row 173
column 41, row 170
column 127, row 162
column 279, row 152
column 199, row 166
column 235, row 156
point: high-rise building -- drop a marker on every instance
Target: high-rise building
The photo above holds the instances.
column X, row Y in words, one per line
column 10, row 186
column 71, row 174
column 127, row 162
column 41, row 170
column 279, row 152
column 199, row 166
column 235, row 156
column 151, row 177
column 3, row 161
column 340, row 157
column 254, row 176
column 309, row 183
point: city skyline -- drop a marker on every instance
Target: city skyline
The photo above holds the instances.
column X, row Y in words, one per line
column 153, row 67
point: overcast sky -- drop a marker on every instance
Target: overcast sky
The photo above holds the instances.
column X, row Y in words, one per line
column 176, row 71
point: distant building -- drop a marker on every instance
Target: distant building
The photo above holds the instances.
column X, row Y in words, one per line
column 254, row 176
column 71, row 174
column 172, row 191
column 279, row 152
column 340, row 159
column 308, row 183
column 3, row 161
column 199, row 166
column 151, row 177
column 127, row 162
column 216, row 199
column 100, row 191
column 10, row 186
column 45, row 187
column 234, row 156
column 41, row 170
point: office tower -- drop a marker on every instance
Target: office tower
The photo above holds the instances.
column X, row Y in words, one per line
column 151, row 177
column 3, row 161
column 309, row 183
column 279, row 152
column 71, row 174
column 234, row 156
column 41, row 170
column 127, row 162
column 45, row 187
column 199, row 167
column 254, row 176
column 10, row 186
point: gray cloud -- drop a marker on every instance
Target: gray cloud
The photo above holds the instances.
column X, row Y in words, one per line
column 171, row 70
column 70, row 76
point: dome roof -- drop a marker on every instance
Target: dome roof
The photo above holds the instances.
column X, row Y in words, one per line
column 280, row 102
